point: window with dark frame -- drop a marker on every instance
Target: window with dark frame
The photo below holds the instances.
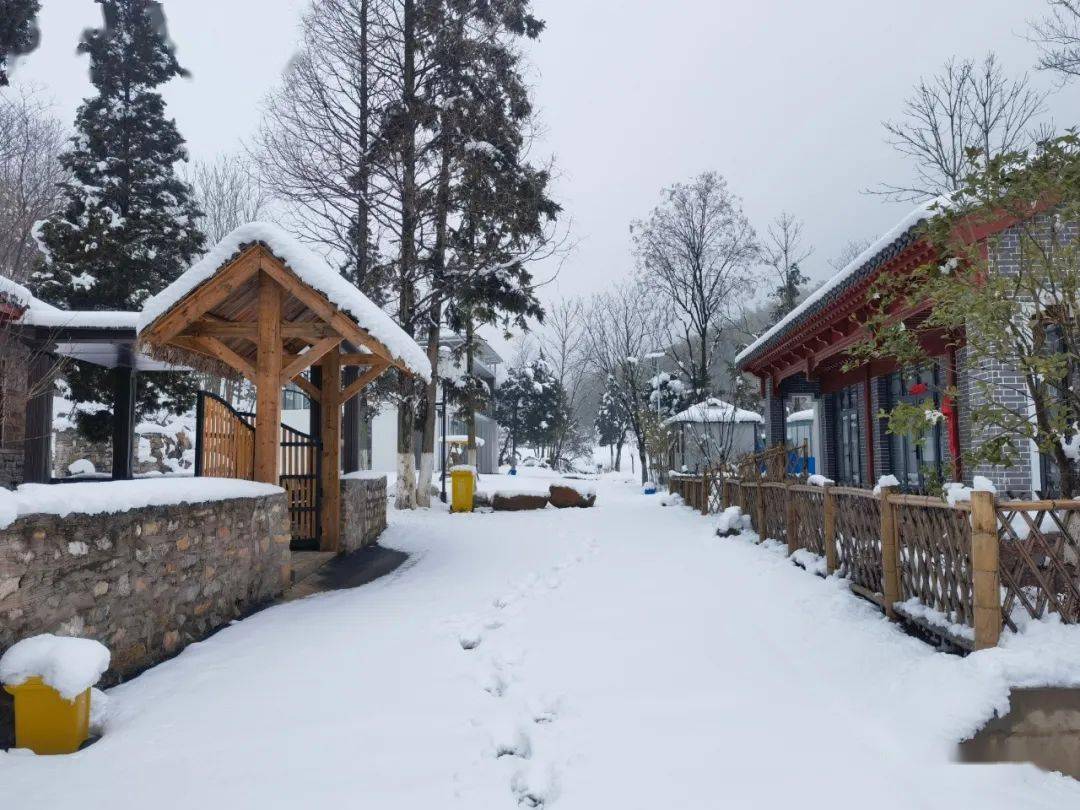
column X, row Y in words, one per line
column 849, row 445
column 912, row 461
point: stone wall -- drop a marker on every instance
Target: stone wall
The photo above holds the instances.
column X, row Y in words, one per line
column 11, row 468
column 363, row 510
column 145, row 582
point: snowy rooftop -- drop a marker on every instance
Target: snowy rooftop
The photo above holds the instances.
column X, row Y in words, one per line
column 53, row 318
column 802, row 416
column 878, row 252
column 17, row 294
column 715, row 410
column 310, row 268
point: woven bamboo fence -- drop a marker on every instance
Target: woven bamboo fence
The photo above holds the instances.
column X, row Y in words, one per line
column 959, row 573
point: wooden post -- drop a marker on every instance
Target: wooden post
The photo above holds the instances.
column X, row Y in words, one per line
column 123, row 428
column 890, row 554
column 706, row 495
column 330, row 421
column 831, row 561
column 268, row 383
column 37, row 452
column 985, row 570
column 760, row 511
column 792, row 522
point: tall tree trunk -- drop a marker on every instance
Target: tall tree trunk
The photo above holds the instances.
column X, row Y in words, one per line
column 352, row 423
column 438, row 267
column 470, row 408
column 406, row 479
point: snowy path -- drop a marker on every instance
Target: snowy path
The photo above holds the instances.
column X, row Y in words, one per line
column 621, row 657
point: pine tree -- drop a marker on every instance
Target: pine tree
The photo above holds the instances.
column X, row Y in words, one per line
column 127, row 226
column 787, row 294
column 18, row 31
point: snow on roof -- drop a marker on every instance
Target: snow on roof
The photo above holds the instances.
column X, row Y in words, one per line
column 17, row 294
column 867, row 258
column 313, row 270
column 79, row 319
column 802, row 416
column 714, row 410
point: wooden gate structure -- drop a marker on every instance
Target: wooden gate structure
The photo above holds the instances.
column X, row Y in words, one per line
column 225, row 448
column 269, row 311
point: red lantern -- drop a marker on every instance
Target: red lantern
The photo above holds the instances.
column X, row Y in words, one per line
column 918, row 389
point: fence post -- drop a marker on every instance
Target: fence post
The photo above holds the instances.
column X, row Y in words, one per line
column 791, row 525
column 985, row 570
column 706, row 495
column 890, row 554
column 723, row 492
column 831, row 562
column 761, row 511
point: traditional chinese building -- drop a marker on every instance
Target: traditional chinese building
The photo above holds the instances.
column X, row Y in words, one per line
column 803, row 359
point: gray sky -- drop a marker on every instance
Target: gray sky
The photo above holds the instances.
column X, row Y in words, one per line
column 785, row 99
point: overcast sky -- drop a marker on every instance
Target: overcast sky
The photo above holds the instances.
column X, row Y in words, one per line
column 785, row 98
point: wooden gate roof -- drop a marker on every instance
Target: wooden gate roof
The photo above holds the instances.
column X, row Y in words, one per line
column 208, row 317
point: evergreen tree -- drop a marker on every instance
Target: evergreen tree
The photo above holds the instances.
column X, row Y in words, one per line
column 18, row 31
column 612, row 421
column 787, row 294
column 671, row 392
column 531, row 406
column 127, row 225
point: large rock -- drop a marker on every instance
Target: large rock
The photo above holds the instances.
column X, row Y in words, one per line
column 565, row 497
column 518, row 502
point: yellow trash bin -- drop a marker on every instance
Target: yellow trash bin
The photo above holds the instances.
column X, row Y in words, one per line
column 463, row 488
column 47, row 723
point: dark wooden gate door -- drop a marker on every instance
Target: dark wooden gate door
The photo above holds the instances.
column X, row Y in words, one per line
column 225, row 448
column 300, row 460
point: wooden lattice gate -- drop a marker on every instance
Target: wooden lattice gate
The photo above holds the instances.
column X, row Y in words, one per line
column 225, row 448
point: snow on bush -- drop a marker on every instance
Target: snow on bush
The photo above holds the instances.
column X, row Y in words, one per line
column 732, row 521
column 819, row 481
column 98, row 497
column 81, row 466
column 311, row 269
column 957, row 493
column 671, row 499
column 68, row 665
column 814, row 563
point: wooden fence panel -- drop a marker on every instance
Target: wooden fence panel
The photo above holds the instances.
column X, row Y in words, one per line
column 934, row 545
column 775, row 511
column 858, row 539
column 809, row 506
column 751, row 495
column 1039, row 559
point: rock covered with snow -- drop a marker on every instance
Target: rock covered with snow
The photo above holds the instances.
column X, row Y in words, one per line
column 312, row 269
column 98, row 497
column 68, row 665
column 732, row 522
column 81, row 466
column 572, row 494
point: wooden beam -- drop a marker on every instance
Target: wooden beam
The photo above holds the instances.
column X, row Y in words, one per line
column 330, row 422
column 268, row 382
column 204, row 298
column 309, row 388
column 249, row 330
column 309, row 358
column 214, row 348
column 361, row 382
column 359, row 359
column 321, row 306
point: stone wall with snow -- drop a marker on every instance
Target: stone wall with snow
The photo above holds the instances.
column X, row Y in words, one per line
column 144, row 582
column 11, row 468
column 363, row 510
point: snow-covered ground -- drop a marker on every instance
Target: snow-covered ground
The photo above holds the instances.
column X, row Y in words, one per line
column 617, row 657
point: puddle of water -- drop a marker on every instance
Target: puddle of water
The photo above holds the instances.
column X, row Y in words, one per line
column 1042, row 727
